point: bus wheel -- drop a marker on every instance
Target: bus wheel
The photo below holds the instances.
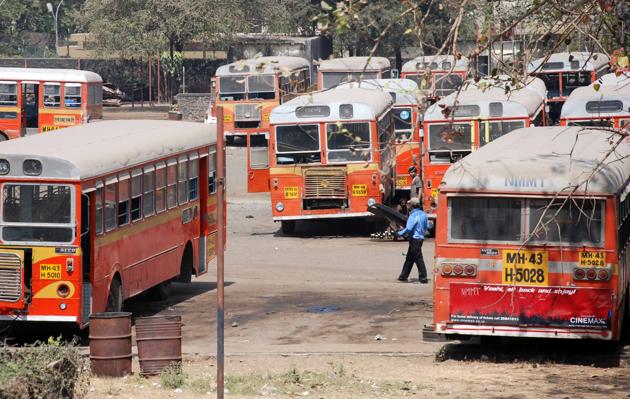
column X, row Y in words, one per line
column 115, row 297
column 3, row 137
column 161, row 291
column 288, row 227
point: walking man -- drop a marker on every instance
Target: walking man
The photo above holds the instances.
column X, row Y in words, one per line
column 417, row 224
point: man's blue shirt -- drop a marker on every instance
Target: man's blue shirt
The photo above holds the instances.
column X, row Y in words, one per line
column 416, row 223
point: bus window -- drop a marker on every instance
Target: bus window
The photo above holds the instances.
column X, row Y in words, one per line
column 402, row 124
column 193, row 179
column 110, row 206
column 232, row 88
column 123, row 200
column 497, row 129
column 592, row 122
column 149, row 193
column 355, row 76
column 98, row 205
column 447, row 84
column 182, row 180
column 485, row 219
column 576, row 221
column 136, row 195
column 72, row 95
column 212, row 171
column 297, row 144
column 261, row 86
column 171, row 183
column 52, row 95
column 95, row 94
column 573, row 80
column 332, row 79
column 552, row 83
column 447, row 138
column 8, row 93
column 160, row 187
column 348, row 142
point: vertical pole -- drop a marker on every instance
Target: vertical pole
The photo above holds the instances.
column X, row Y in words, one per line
column 159, row 94
column 220, row 252
column 150, row 82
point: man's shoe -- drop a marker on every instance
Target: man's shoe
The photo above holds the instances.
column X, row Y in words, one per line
column 424, row 280
column 403, row 280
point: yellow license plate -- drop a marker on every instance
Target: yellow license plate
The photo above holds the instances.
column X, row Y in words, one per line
column 227, row 118
column 525, row 267
column 359, row 190
column 592, row 259
column 434, row 192
column 401, row 181
column 49, row 272
column 291, row 192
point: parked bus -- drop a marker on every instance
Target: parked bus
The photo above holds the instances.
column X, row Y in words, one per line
column 331, row 155
column 603, row 103
column 565, row 72
column 98, row 213
column 249, row 89
column 466, row 120
column 408, row 99
column 533, row 238
column 39, row 100
column 335, row 71
column 447, row 73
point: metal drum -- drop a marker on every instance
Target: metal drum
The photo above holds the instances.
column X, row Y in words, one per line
column 110, row 344
column 159, row 340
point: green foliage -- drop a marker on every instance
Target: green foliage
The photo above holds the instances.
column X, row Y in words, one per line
column 173, row 376
column 172, row 64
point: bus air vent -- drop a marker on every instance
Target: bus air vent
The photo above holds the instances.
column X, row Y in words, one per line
column 325, row 183
column 246, row 112
column 10, row 277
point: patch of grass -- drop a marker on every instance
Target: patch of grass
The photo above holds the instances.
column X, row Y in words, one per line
column 203, row 385
column 173, row 376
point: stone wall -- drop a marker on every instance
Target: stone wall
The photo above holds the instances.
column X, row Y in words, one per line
column 193, row 106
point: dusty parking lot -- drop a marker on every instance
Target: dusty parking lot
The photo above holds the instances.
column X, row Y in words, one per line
column 303, row 314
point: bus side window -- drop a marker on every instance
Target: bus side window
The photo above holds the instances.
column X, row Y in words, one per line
column 98, row 205
column 149, row 193
column 193, row 179
column 110, row 206
column 52, row 95
column 136, row 195
column 8, row 93
column 72, row 95
column 182, row 180
column 160, row 187
column 123, row 199
column 171, row 181
column 212, row 171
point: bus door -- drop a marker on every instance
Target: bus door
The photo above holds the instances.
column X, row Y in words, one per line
column 258, row 162
column 86, row 254
column 30, row 107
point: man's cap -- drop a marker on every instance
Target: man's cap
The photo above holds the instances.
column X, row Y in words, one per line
column 413, row 201
column 412, row 169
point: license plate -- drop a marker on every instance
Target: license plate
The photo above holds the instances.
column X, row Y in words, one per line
column 434, row 193
column 291, row 192
column 49, row 272
column 525, row 267
column 592, row 259
column 401, row 181
column 359, row 190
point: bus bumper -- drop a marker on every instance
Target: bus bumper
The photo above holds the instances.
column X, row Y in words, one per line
column 452, row 331
column 324, row 216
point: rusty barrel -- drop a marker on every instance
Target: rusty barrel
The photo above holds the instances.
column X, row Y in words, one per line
column 110, row 344
column 159, row 340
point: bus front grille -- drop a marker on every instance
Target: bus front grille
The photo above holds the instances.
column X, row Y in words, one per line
column 10, row 277
column 320, row 183
column 246, row 112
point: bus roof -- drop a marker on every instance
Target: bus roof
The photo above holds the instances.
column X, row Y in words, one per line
column 262, row 65
column 558, row 62
column 357, row 64
column 609, row 100
column 404, row 91
column 436, row 63
column 95, row 149
column 366, row 105
column 525, row 101
column 546, row 160
column 49, row 74
column 613, row 80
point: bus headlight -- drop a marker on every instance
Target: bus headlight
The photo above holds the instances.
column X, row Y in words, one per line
column 371, row 202
column 279, row 207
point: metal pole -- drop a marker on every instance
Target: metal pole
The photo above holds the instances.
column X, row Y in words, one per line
column 220, row 252
column 150, row 82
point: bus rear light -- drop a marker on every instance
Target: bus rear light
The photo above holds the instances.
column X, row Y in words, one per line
column 458, row 270
column 275, row 184
column 603, row 274
column 69, row 265
column 63, row 290
column 591, row 274
column 579, row 274
column 470, row 270
column 447, row 270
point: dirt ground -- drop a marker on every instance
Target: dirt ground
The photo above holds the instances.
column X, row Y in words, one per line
column 319, row 314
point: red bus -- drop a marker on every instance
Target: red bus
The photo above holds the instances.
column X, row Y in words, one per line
column 565, row 72
column 40, row 100
column 533, row 237
column 464, row 121
column 335, row 71
column 607, row 104
column 98, row 213
column 446, row 73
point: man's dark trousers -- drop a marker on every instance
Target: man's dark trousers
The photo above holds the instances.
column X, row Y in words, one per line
column 414, row 254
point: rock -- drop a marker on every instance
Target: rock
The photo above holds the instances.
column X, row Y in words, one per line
column 235, row 324
column 378, row 337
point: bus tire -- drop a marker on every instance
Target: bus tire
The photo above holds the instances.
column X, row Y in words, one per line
column 186, row 268
column 3, row 137
column 288, row 227
column 115, row 297
column 161, row 291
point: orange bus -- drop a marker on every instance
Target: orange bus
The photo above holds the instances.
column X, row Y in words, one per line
column 565, row 72
column 331, row 155
column 407, row 120
column 95, row 214
column 335, row 71
column 249, row 89
column 533, row 238
column 607, row 104
column 39, row 100
column 447, row 73
column 464, row 121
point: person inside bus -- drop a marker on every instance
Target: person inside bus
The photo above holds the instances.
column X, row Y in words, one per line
column 417, row 225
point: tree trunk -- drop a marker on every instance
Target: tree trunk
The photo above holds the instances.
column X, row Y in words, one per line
column 398, row 58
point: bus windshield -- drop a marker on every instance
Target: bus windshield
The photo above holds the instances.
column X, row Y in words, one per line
column 261, row 86
column 447, row 138
column 552, row 82
column 572, row 221
column 232, row 88
column 402, row 124
column 485, row 219
column 348, row 142
column 297, row 144
column 447, row 84
column 33, row 212
column 496, row 129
